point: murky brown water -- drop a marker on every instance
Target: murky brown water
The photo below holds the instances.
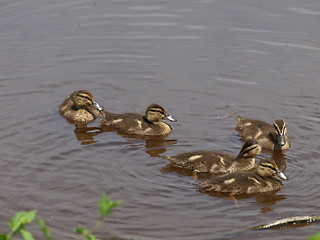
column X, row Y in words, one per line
column 199, row 59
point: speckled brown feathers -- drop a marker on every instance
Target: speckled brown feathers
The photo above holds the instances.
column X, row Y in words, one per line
column 218, row 162
column 80, row 108
column 269, row 137
column 133, row 123
column 266, row 177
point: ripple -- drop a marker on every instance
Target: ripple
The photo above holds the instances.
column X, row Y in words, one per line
column 304, row 11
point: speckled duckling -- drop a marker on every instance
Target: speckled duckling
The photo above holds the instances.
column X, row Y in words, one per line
column 80, row 108
column 266, row 177
column 218, row 162
column 133, row 123
column 269, row 137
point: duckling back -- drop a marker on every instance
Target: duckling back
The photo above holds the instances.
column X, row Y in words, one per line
column 133, row 123
column 253, row 129
column 240, row 183
column 203, row 161
column 261, row 180
column 218, row 162
column 269, row 136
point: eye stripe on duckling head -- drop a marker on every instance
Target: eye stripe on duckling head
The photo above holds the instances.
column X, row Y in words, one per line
column 86, row 96
column 249, row 149
column 268, row 165
column 279, row 125
column 156, row 110
column 248, row 146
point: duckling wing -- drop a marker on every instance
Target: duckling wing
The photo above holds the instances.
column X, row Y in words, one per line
column 203, row 161
column 251, row 128
column 234, row 183
column 122, row 121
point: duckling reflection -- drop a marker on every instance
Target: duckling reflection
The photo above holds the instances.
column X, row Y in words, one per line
column 269, row 137
column 280, row 159
column 205, row 161
column 86, row 134
column 133, row 123
column 266, row 177
column 154, row 145
column 267, row 200
column 80, row 108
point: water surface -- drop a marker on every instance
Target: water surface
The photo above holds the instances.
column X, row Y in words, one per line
column 204, row 61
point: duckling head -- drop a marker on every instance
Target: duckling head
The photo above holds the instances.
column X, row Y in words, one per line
column 155, row 112
column 281, row 131
column 84, row 99
column 250, row 149
column 268, row 168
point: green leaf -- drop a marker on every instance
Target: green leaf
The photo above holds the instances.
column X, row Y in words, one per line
column 21, row 219
column 82, row 231
column 314, row 237
column 30, row 216
column 91, row 237
column 86, row 233
column 46, row 231
column 106, row 205
column 15, row 223
column 26, row 235
column 4, row 237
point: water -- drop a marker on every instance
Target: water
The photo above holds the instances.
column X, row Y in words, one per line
column 201, row 60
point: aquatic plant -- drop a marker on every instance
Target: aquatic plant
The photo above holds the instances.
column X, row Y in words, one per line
column 314, row 237
column 20, row 221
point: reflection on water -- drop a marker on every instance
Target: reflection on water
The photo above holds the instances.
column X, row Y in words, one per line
column 155, row 146
column 280, row 158
column 268, row 201
column 86, row 135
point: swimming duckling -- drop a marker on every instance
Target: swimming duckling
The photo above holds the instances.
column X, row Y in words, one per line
column 218, row 162
column 266, row 177
column 269, row 137
column 80, row 108
column 133, row 123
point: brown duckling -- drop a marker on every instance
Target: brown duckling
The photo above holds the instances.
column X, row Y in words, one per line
column 269, row 137
column 266, row 177
column 80, row 108
column 205, row 161
column 134, row 123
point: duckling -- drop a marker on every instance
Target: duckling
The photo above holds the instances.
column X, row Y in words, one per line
column 269, row 137
column 218, row 162
column 266, row 177
column 133, row 123
column 80, row 108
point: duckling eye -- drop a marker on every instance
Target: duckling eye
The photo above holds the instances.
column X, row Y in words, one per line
column 87, row 98
column 158, row 111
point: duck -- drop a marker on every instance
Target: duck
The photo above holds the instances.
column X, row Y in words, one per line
column 80, row 108
column 266, row 177
column 270, row 137
column 150, row 124
column 207, row 161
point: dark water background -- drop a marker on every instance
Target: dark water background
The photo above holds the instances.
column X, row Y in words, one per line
column 201, row 60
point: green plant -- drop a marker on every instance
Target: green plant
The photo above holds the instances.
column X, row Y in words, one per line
column 20, row 221
column 314, row 237
column 105, row 208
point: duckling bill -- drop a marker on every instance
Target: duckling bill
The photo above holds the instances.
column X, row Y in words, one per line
column 132, row 123
column 266, row 177
column 80, row 108
column 270, row 137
